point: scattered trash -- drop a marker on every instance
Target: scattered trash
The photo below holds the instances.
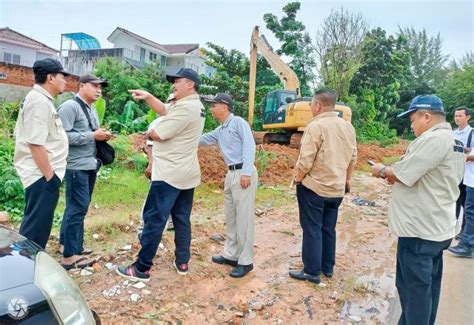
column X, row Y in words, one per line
column 255, row 305
column 217, row 237
column 110, row 266
column 322, row 284
column 125, row 283
column 309, row 307
column 146, row 292
column 85, row 272
column 161, row 246
column 344, row 310
column 259, row 212
column 114, row 291
column 4, row 217
column 360, row 201
column 134, row 297
column 127, row 247
column 95, row 236
column 333, row 295
column 251, row 314
column 139, row 285
column 355, row 319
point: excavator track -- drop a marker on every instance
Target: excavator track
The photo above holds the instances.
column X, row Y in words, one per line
column 295, row 140
column 260, row 137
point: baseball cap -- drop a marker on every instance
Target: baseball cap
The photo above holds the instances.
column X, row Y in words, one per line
column 428, row 102
column 47, row 66
column 88, row 78
column 222, row 98
column 184, row 73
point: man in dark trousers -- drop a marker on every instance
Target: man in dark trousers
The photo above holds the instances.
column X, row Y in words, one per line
column 82, row 166
column 425, row 189
column 41, row 149
column 323, row 171
column 175, row 174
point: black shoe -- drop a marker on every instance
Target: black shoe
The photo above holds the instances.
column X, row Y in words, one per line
column 222, row 260
column 328, row 274
column 305, row 276
column 241, row 270
column 462, row 250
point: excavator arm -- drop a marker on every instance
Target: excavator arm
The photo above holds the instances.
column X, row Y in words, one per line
column 259, row 44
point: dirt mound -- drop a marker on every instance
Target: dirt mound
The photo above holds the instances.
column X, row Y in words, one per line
column 275, row 163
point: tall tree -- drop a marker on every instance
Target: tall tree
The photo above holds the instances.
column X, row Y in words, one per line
column 296, row 44
column 458, row 89
column 338, row 46
column 426, row 58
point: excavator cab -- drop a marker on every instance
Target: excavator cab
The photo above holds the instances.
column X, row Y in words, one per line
column 274, row 106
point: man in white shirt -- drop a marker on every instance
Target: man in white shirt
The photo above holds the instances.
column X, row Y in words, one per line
column 464, row 134
column 465, row 247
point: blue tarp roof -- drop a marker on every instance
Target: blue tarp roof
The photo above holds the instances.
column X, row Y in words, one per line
column 84, row 41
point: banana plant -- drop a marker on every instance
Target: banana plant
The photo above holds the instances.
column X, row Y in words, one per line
column 100, row 105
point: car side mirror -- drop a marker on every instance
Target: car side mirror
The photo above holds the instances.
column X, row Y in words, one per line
column 288, row 100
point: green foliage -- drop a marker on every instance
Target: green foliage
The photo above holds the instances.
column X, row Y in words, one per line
column 296, row 44
column 11, row 191
column 100, row 108
column 263, row 159
column 458, row 89
column 121, row 78
column 338, row 46
column 8, row 117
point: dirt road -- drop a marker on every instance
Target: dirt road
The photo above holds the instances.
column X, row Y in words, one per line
column 360, row 291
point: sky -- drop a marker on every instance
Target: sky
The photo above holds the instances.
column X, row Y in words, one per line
column 228, row 23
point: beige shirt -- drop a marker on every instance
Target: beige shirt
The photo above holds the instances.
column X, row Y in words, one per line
column 423, row 204
column 327, row 148
column 38, row 123
column 175, row 159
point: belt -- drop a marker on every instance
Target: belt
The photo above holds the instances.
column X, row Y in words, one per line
column 236, row 166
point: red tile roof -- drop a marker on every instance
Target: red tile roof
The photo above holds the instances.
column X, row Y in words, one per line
column 10, row 36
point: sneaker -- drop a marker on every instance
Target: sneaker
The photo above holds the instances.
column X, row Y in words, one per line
column 182, row 268
column 462, row 250
column 132, row 273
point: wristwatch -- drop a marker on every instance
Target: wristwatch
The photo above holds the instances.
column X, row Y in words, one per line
column 382, row 172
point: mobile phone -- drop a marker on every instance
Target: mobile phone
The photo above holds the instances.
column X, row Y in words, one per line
column 370, row 162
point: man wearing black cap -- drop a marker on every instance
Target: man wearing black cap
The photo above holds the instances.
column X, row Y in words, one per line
column 236, row 142
column 82, row 165
column 175, row 173
column 41, row 150
column 425, row 189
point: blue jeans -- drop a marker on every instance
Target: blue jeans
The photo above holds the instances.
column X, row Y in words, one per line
column 41, row 199
column 418, row 280
column 467, row 235
column 318, row 218
column 79, row 187
column 163, row 200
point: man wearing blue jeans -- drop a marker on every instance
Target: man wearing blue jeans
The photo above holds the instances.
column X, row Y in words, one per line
column 323, row 172
column 175, row 173
column 425, row 189
column 82, row 166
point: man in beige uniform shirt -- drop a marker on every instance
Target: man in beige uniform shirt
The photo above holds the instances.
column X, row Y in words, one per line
column 41, row 150
column 421, row 214
column 175, row 173
column 323, row 172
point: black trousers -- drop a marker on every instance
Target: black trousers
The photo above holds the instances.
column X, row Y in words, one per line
column 461, row 202
column 41, row 199
column 419, row 272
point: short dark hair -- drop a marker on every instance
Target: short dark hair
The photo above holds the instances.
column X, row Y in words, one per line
column 40, row 78
column 439, row 114
column 465, row 109
column 326, row 96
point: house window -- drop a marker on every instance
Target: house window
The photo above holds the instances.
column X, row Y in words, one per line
column 142, row 55
column 11, row 58
column 163, row 61
column 153, row 56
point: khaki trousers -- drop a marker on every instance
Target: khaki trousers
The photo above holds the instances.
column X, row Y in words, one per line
column 239, row 205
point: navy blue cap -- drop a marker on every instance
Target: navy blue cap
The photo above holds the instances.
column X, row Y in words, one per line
column 184, row 73
column 222, row 98
column 47, row 66
column 428, row 102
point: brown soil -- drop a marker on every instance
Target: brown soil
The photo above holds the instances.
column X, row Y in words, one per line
column 275, row 163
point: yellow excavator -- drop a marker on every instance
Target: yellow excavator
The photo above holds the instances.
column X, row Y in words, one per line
column 284, row 111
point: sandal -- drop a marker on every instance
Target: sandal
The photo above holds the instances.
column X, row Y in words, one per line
column 85, row 251
column 78, row 265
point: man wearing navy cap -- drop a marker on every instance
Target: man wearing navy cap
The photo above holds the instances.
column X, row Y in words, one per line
column 41, row 149
column 236, row 142
column 175, row 173
column 425, row 189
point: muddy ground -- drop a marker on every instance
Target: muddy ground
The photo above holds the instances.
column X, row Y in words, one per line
column 360, row 291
